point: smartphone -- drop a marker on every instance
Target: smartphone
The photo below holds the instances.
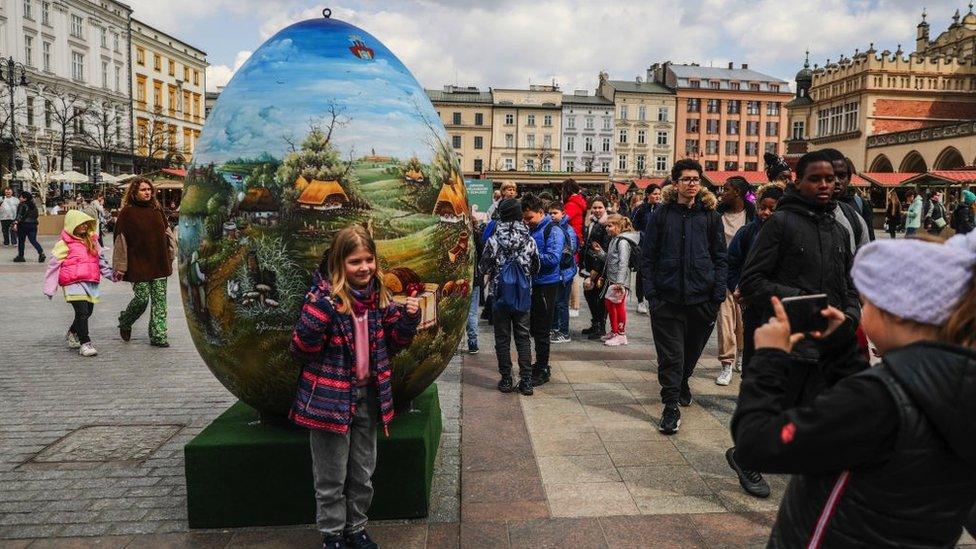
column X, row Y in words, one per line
column 804, row 313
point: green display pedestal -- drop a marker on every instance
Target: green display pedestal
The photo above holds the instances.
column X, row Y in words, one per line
column 241, row 472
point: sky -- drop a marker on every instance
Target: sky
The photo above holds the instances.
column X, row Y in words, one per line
column 508, row 43
column 295, row 78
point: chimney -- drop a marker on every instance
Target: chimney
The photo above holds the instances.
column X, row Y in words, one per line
column 745, row 66
column 731, row 65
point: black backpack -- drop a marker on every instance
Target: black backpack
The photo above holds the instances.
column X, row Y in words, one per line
column 633, row 262
column 566, row 259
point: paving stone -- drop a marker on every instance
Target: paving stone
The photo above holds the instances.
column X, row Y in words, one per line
column 591, row 499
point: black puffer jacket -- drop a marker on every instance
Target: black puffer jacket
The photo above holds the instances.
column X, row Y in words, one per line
column 591, row 260
column 962, row 219
column 887, row 458
column 27, row 213
column 683, row 255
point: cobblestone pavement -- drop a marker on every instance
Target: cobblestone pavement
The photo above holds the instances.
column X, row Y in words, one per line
column 84, row 485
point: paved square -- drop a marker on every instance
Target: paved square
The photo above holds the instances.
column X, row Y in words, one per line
column 93, row 444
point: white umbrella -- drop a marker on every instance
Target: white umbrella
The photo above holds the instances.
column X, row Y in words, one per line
column 69, row 176
column 122, row 177
column 107, row 178
column 26, row 174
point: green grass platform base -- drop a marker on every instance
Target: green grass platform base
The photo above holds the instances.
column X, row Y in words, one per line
column 240, row 472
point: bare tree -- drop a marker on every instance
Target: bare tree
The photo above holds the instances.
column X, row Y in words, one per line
column 68, row 112
column 153, row 139
column 5, row 117
column 41, row 148
column 105, row 130
column 545, row 155
column 334, row 118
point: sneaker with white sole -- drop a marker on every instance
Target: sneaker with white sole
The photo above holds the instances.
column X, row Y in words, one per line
column 574, row 313
column 642, row 308
column 616, row 340
column 737, row 367
column 726, row 376
column 87, row 349
column 608, row 336
column 560, row 338
column 72, row 339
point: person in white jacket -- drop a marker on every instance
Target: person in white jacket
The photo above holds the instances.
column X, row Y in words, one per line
column 8, row 213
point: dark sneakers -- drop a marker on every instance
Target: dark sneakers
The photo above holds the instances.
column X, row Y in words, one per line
column 125, row 333
column 333, row 542
column 19, row 259
column 506, row 385
column 596, row 334
column 360, row 540
column 752, row 482
column 540, row 376
column 525, row 387
column 684, row 397
column 588, row 331
column 670, row 420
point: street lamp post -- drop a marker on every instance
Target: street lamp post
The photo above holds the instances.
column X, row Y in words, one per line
column 10, row 78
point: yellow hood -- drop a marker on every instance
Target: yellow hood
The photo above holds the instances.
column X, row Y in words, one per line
column 71, row 221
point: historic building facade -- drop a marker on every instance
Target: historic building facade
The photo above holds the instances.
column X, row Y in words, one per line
column 526, row 129
column 889, row 111
column 643, row 127
column 76, row 105
column 587, row 133
column 466, row 113
column 168, row 91
column 727, row 118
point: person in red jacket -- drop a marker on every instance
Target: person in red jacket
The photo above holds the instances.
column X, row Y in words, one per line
column 574, row 206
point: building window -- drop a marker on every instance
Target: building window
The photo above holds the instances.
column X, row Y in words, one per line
column 711, row 165
column 47, row 113
column 711, row 146
column 530, row 164
column 731, row 147
column 104, row 74
column 732, row 127
column 694, row 84
column 711, row 126
column 509, row 119
column 118, row 77
column 714, row 84
column 103, row 37
column 640, row 163
column 623, row 136
column 509, row 164
column 547, row 165
column 691, row 146
column 479, row 142
column 662, row 114
column 30, row 111
column 751, row 167
column 772, row 147
column 588, row 144
column 28, row 11
column 140, row 56
column 605, row 166
column 456, row 118
column 772, row 108
column 734, row 106
column 77, row 26
column 478, row 165
column 115, row 41
column 752, row 148
column 547, row 141
column 850, row 116
column 798, row 130
column 642, row 113
column 589, row 122
column 172, row 67
column 607, row 121
column 570, row 143
column 754, row 87
column 530, row 120
column 752, row 107
column 694, row 105
column 641, row 137
column 774, row 87
column 456, row 141
column 547, row 120
column 570, row 165
column 752, row 127
column 29, row 50
column 46, row 13
column 77, row 66
column 735, row 86
column 530, row 140
column 731, row 166
column 692, row 125
column 713, row 106
column 570, row 122
column 772, row 129
column 622, row 162
column 157, row 62
column 196, row 82
column 662, row 137
column 186, row 73
column 606, row 144
column 509, row 140
column 623, row 112
column 660, row 163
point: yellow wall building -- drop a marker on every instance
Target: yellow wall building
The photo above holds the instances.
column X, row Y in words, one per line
column 526, row 129
column 169, row 82
column 466, row 113
column 644, row 115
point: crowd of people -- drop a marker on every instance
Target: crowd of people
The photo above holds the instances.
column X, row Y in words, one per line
column 696, row 258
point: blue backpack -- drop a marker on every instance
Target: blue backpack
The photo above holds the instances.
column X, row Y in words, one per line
column 513, row 290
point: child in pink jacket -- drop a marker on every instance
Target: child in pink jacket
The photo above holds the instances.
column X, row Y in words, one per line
column 77, row 266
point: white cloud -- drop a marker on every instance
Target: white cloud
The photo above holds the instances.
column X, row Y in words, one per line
column 171, row 15
column 220, row 75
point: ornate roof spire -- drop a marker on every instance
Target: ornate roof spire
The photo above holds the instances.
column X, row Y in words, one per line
column 806, row 62
column 955, row 18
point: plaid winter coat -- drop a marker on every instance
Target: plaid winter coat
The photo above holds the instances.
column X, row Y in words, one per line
column 323, row 342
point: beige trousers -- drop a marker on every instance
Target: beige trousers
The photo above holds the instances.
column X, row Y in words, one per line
column 729, row 330
column 574, row 293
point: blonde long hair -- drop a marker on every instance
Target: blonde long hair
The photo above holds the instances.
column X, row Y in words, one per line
column 621, row 222
column 91, row 242
column 346, row 243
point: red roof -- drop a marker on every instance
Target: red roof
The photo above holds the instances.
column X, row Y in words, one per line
column 859, row 181
column 645, row 183
column 887, row 179
column 621, row 186
column 177, row 172
column 962, row 176
column 720, row 177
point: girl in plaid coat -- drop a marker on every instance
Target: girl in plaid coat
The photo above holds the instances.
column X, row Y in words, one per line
column 348, row 330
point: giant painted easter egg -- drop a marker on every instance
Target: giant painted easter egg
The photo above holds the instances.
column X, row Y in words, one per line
column 323, row 127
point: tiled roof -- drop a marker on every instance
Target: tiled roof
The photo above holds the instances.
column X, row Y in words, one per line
column 887, row 179
column 439, row 96
column 720, row 177
column 962, row 176
column 721, row 73
column 587, row 100
column 643, row 87
column 859, row 181
column 645, row 183
column 621, row 186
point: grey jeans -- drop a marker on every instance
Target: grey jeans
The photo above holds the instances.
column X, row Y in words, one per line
column 507, row 324
column 343, row 465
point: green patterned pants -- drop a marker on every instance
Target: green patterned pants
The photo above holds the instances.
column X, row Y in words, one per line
column 155, row 292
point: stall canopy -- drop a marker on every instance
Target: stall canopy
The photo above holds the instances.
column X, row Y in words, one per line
column 69, row 176
column 887, row 179
column 621, row 186
column 718, row 178
column 646, row 182
column 944, row 178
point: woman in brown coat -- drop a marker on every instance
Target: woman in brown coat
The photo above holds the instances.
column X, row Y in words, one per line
column 143, row 255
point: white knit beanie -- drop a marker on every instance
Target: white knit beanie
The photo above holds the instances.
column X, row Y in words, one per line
column 914, row 279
